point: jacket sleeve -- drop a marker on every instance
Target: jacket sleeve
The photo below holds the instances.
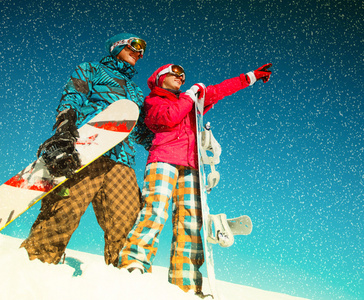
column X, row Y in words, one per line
column 77, row 89
column 144, row 136
column 162, row 112
column 214, row 93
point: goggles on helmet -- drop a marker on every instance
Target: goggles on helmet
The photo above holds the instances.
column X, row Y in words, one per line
column 135, row 44
column 172, row 69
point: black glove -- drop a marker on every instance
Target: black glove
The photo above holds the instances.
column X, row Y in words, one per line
column 58, row 152
column 66, row 122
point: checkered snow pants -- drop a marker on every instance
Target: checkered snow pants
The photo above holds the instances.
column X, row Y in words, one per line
column 164, row 181
column 113, row 190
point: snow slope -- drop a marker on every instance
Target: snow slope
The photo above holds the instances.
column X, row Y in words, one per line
column 85, row 276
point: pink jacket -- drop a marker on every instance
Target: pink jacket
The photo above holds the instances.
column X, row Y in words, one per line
column 173, row 120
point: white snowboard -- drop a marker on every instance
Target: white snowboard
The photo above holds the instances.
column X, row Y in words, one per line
column 100, row 134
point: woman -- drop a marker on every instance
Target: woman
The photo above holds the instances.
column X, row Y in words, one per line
column 171, row 173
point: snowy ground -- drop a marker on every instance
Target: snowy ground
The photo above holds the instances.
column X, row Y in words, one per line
column 85, row 276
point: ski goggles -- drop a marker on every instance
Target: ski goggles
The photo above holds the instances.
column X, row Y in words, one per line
column 135, row 44
column 172, row 69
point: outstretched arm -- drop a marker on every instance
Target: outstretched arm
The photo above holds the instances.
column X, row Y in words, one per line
column 214, row 93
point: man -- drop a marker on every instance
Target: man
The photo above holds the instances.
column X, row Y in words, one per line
column 109, row 183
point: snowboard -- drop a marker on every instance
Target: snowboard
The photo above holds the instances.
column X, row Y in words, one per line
column 217, row 229
column 97, row 136
column 208, row 253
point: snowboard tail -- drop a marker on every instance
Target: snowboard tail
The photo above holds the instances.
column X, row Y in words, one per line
column 99, row 135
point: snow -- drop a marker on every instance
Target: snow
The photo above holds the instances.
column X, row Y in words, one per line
column 86, row 276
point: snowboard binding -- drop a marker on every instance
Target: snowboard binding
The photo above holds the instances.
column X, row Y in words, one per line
column 221, row 230
column 60, row 156
column 211, row 146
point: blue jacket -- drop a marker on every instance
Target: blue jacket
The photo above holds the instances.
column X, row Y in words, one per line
column 95, row 85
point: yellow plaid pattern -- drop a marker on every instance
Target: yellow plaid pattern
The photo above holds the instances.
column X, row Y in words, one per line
column 163, row 182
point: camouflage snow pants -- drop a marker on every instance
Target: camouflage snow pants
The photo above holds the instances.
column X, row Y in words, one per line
column 114, row 193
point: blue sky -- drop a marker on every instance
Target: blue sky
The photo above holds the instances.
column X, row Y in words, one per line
column 292, row 148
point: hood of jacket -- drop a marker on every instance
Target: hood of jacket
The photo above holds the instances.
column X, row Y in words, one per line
column 152, row 79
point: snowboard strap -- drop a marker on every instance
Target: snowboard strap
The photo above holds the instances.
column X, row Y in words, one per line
column 222, row 233
column 211, row 146
column 59, row 155
column 221, row 230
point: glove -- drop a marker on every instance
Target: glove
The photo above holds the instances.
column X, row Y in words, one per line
column 260, row 73
column 59, row 155
column 66, row 122
column 197, row 91
column 58, row 152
